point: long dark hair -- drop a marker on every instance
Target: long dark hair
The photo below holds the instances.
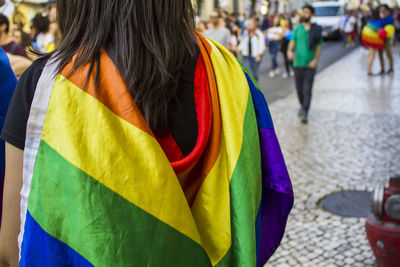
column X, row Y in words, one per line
column 150, row 40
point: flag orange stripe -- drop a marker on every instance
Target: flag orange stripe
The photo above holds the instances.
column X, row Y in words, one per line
column 117, row 99
column 193, row 178
column 213, row 148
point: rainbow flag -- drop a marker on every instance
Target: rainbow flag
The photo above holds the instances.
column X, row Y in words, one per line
column 370, row 36
column 100, row 190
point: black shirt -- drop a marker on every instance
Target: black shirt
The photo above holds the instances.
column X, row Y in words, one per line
column 183, row 126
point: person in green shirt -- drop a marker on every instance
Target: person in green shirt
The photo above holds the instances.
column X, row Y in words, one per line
column 305, row 49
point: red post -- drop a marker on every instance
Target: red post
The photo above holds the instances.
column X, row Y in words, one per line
column 383, row 225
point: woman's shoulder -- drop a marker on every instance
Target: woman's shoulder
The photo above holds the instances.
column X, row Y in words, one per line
column 26, row 85
column 14, row 131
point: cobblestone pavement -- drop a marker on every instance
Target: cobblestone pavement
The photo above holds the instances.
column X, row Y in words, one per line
column 352, row 142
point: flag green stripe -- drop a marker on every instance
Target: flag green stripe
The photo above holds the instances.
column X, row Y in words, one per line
column 373, row 27
column 248, row 72
column 227, row 260
column 100, row 225
column 246, row 190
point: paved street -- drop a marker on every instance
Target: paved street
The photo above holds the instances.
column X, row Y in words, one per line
column 278, row 88
column 352, row 142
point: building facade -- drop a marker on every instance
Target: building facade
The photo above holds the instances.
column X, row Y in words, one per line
column 204, row 7
column 245, row 7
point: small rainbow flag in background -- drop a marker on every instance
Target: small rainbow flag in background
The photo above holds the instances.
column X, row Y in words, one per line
column 370, row 36
column 99, row 189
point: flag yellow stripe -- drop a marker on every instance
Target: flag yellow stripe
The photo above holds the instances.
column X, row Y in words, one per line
column 213, row 217
column 117, row 154
column 211, row 211
column 233, row 91
column 369, row 32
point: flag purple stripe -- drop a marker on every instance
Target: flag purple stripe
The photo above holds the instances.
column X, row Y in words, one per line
column 274, row 171
column 275, row 211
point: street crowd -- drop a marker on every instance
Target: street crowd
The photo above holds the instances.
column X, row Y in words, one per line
column 274, row 31
column 299, row 40
column 23, row 47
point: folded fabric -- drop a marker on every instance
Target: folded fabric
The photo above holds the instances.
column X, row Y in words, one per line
column 370, row 35
column 100, row 190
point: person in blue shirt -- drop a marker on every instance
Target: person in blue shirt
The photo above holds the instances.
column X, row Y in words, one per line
column 8, row 81
column 387, row 19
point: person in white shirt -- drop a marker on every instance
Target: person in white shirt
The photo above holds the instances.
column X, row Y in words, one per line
column 349, row 29
column 275, row 34
column 252, row 47
column 342, row 24
column 44, row 41
column 6, row 8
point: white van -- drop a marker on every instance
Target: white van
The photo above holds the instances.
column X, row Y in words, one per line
column 328, row 15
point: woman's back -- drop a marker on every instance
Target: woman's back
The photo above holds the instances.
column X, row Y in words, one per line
column 146, row 145
column 149, row 48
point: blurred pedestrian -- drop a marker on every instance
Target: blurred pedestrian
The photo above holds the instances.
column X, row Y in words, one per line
column 363, row 20
column 274, row 34
column 201, row 27
column 350, row 29
column 51, row 13
column 234, row 19
column 125, row 147
column 265, row 23
column 372, row 39
column 252, row 47
column 218, row 32
column 342, row 24
column 7, row 85
column 388, row 22
column 6, row 41
column 288, row 36
column 307, row 42
column 22, row 38
column 294, row 18
column 44, row 40
column 397, row 23
column 235, row 37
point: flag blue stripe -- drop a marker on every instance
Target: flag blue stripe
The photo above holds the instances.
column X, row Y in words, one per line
column 41, row 249
column 264, row 118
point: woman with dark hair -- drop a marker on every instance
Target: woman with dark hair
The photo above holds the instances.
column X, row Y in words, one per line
column 141, row 144
column 22, row 38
